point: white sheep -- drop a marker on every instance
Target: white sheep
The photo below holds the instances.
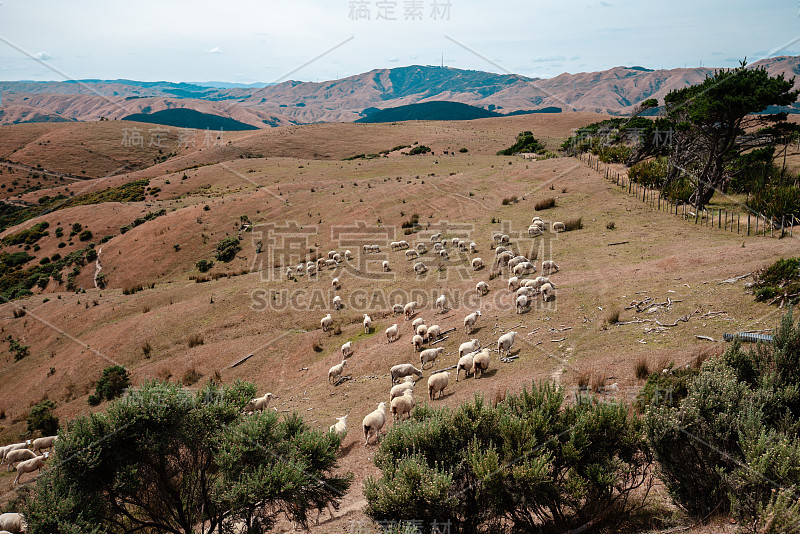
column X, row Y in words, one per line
column 392, row 333
column 340, row 427
column 347, row 349
column 411, row 254
column 29, row 466
column 469, row 346
column 513, row 262
column 422, row 330
column 373, row 423
column 326, row 322
column 522, row 303
column 258, row 404
column 505, row 342
column 12, row 522
column 394, row 245
column 422, row 248
column 367, row 249
column 402, row 405
column 367, row 323
column 477, row 263
column 524, row 267
column 437, row 247
column 534, row 230
column 444, row 255
column 480, row 363
column 336, row 284
column 337, row 302
column 386, row 268
column 526, row 290
column 408, row 309
column 300, row 268
column 348, row 255
column 375, row 248
column 513, row 283
column 429, row 355
column 503, row 259
column 548, row 292
column 330, row 264
column 417, row 342
column 559, row 227
column 470, row 320
column 549, row 267
column 46, row 442
column 441, row 303
column 404, row 244
column 336, row 371
column 481, row 288
column 473, row 248
column 407, row 383
column 433, row 333
column 14, row 446
column 419, row 267
column 436, row 237
column 465, row 363
column 505, row 239
column 337, row 258
column 18, row 455
column 320, row 263
column 454, row 241
column 289, row 273
column 535, row 218
column 402, row 370
column 416, row 322
column 500, row 250
column 497, row 237
column 331, row 254
column 397, row 309
column 437, row 383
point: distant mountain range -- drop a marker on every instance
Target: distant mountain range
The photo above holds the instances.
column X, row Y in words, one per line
column 615, row 91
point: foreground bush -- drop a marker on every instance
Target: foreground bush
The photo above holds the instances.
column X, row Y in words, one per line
column 529, row 463
column 112, row 383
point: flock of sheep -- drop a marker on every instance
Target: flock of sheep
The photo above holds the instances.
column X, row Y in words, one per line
column 27, row 457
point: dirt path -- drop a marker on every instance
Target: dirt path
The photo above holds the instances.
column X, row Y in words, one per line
column 97, row 268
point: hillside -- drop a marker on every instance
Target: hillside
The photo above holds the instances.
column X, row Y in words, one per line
column 303, row 200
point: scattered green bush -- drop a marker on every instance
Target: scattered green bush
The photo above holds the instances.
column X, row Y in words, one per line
column 778, row 283
column 41, row 418
column 525, row 142
column 227, row 248
column 112, row 383
column 419, row 149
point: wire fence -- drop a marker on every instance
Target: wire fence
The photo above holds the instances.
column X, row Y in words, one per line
column 748, row 223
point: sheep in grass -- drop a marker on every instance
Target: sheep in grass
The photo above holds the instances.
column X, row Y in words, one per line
column 422, row 330
column 373, row 423
column 402, row 405
column 480, row 363
column 505, row 342
column 481, row 288
column 436, row 237
column 505, row 240
column 336, row 371
column 522, row 303
column 335, row 284
column 454, row 242
column 403, row 370
column 500, row 250
column 367, row 323
column 559, row 227
column 46, row 442
column 375, row 248
column 19, row 455
column 337, row 258
column 503, row 259
column 534, row 230
column 337, row 302
column 527, row 291
column 549, row 267
column 469, row 346
column 477, row 263
column 348, row 255
column 326, row 322
column 289, row 273
column 347, row 349
column 465, row 363
column 438, row 247
column 516, row 260
column 420, row 268
column 548, row 292
column 411, row 254
column 392, row 333
column 330, row 264
column 397, row 309
column 300, row 268
column 386, row 268
column 422, row 248
column 340, row 427
column 367, row 249
column 497, row 237
column 331, row 254
column 535, row 218
column 258, row 404
column 407, row 383
column 513, row 283
column 416, row 322
column 394, row 245
column 430, row 355
column 444, row 255
column 470, row 320
column 473, row 248
column 441, row 303
column 417, row 342
column 433, row 333
column 437, row 383
column 29, row 466
column 409, row 309
column 13, row 523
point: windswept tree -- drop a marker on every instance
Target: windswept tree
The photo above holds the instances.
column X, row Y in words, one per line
column 167, row 460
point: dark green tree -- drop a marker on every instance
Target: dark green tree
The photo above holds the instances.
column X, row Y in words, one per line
column 112, row 383
column 41, row 418
column 227, row 248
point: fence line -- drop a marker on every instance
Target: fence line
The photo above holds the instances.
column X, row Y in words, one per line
column 756, row 224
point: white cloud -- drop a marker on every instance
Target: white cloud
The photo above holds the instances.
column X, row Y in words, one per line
column 42, row 56
column 547, row 59
column 392, row 60
column 215, row 50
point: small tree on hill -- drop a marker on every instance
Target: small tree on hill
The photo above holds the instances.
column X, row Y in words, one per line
column 112, row 384
column 41, row 418
column 227, row 249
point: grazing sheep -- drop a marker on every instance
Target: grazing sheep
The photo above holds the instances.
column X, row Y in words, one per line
column 19, row 455
column 289, row 273
column 419, row 267
column 454, row 241
column 367, row 323
column 473, row 248
column 14, row 446
column 367, row 249
column 444, row 255
column 326, row 322
column 470, row 320
column 497, row 237
column 505, row 342
column 437, row 383
column 417, row 342
column 436, row 237
column 513, row 283
column 559, row 227
column 336, row 284
column 397, row 309
column 480, row 363
column 481, row 288
column 337, row 302
column 336, row 371
column 402, row 370
column 330, row 264
column 348, row 256
column 522, row 303
column 465, row 363
column 534, row 230
column 505, row 239
column 320, row 264
column 392, row 333
column 347, row 349
column 46, row 442
column 411, row 254
column 394, row 245
column 300, row 268
column 422, row 248
column 462, row 246
column 500, row 250
column 402, row 405
column 503, row 259
column 549, row 267
column 516, row 260
column 258, row 404
column 469, row 346
column 340, row 427
column 416, row 322
column 540, row 223
column 409, row 309
column 404, row 244
column 29, row 466
column 441, row 303
column 337, row 258
column 437, row 247
column 429, row 355
column 433, row 333
column 12, row 522
column 375, row 248
column 422, row 330
column 311, row 269
column 477, row 263
column 535, row 218
column 548, row 292
column 331, row 254
column 526, row 291
column 386, row 268
column 373, row 423
column 524, row 267
column 407, row 383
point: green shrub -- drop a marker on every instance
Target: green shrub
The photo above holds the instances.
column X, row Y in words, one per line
column 525, row 142
column 650, row 173
column 112, row 383
column 227, row 248
column 19, row 350
column 41, row 418
column 86, row 235
column 29, row 236
column 419, row 149
column 781, row 279
column 204, row 265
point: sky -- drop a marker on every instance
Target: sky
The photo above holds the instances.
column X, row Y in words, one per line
column 315, row 40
